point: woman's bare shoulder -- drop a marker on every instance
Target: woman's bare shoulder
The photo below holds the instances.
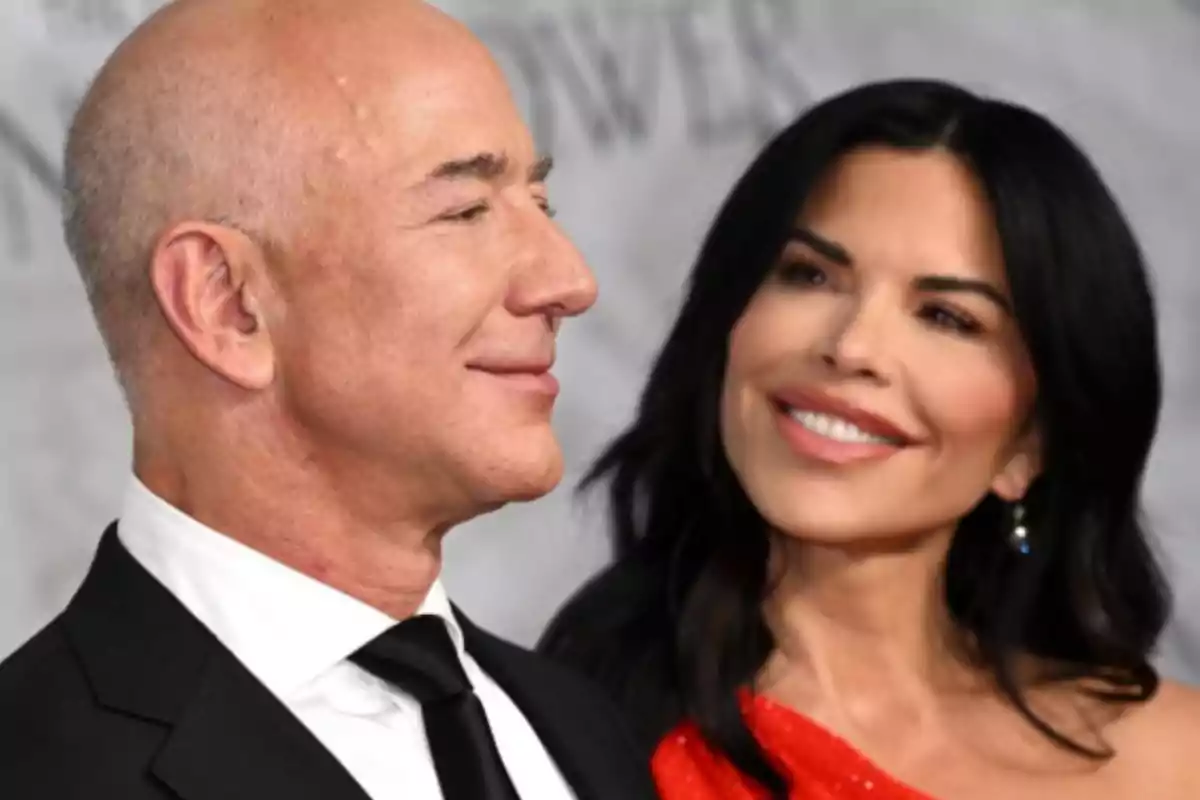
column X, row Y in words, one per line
column 1160, row 741
column 1173, row 712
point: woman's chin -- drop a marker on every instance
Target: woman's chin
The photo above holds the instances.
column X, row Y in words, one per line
column 846, row 528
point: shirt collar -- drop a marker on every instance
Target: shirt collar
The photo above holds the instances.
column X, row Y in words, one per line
column 285, row 627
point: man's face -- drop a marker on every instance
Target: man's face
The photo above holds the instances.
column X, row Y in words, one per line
column 421, row 296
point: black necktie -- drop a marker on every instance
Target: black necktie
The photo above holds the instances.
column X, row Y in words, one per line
column 418, row 657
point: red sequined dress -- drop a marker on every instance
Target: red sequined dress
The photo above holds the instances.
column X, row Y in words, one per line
column 820, row 765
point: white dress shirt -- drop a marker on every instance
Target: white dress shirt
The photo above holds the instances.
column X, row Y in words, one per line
column 294, row 634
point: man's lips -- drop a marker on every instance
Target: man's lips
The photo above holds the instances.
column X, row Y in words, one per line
column 513, row 367
column 531, row 376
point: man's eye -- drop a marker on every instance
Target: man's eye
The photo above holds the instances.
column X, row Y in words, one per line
column 469, row 214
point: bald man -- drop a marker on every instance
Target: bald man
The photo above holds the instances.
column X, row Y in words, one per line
column 314, row 234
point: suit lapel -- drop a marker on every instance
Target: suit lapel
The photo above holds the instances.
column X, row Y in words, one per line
column 582, row 753
column 235, row 741
column 226, row 736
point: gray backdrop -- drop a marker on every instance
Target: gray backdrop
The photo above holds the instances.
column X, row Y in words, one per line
column 652, row 109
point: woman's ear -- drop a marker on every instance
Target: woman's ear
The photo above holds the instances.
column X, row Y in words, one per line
column 1023, row 466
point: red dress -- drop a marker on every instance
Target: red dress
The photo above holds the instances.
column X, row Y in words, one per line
column 820, row 765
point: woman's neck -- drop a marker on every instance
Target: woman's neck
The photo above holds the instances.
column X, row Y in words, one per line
column 862, row 633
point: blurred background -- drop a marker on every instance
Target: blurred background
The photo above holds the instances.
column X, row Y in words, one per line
column 651, row 108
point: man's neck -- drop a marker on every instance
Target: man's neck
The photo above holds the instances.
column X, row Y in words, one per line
column 306, row 521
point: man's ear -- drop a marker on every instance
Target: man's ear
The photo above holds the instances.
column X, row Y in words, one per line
column 1024, row 464
column 211, row 283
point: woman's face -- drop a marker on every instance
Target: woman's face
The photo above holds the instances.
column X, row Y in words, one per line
column 877, row 385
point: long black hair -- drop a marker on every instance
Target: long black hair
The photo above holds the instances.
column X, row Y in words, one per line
column 675, row 626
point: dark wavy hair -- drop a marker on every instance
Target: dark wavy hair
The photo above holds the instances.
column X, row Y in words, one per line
column 674, row 627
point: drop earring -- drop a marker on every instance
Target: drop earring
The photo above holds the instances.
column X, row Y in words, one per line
column 1019, row 538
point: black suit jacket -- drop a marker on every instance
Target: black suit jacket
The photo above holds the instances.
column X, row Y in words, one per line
column 127, row 696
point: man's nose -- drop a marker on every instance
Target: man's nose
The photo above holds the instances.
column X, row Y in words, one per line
column 551, row 277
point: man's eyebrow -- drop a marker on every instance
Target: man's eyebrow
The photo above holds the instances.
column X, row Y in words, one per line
column 481, row 166
column 488, row 167
column 541, row 169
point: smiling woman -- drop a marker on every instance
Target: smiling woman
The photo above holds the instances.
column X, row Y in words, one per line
column 878, row 518
column 881, row 341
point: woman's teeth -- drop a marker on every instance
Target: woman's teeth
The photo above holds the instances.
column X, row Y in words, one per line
column 836, row 428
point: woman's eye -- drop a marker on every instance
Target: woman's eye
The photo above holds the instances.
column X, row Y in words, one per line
column 802, row 273
column 953, row 321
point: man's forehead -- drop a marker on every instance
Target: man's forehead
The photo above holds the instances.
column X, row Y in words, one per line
column 450, row 119
column 389, row 104
column 490, row 149
column 368, row 63
column 403, row 168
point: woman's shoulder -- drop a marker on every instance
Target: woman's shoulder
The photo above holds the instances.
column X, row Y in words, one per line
column 686, row 767
column 815, row 761
column 1159, row 741
column 1168, row 723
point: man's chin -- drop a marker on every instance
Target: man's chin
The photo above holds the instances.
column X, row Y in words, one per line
column 526, row 482
column 537, row 487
